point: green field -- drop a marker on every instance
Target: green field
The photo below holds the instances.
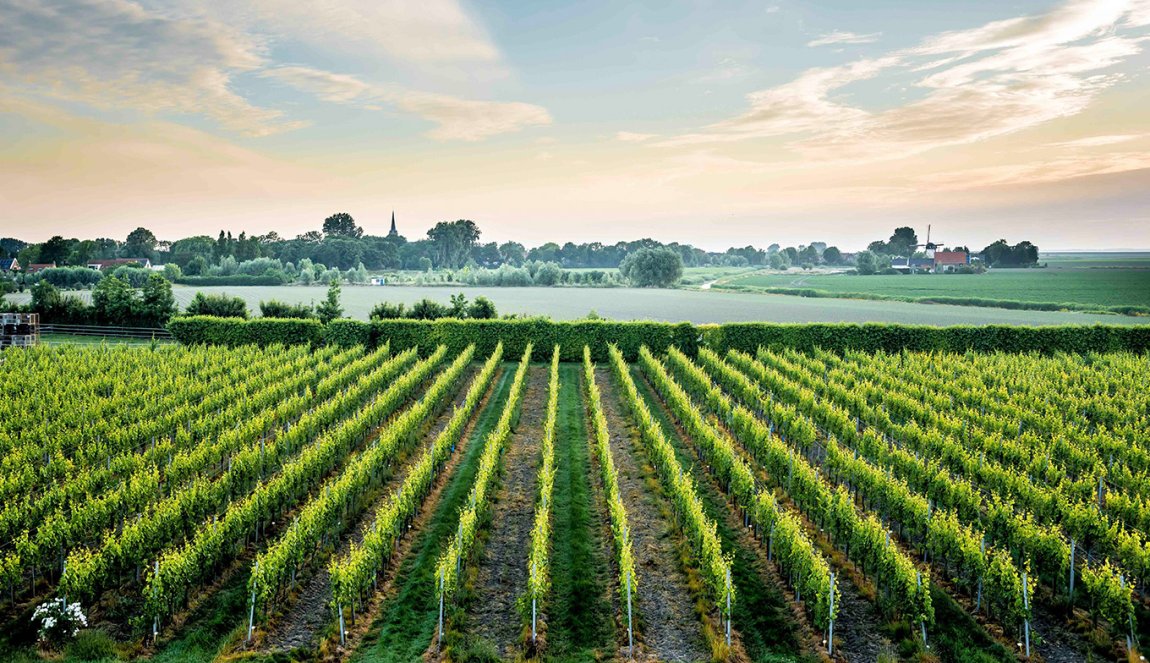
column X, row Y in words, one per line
column 697, row 306
column 1082, row 284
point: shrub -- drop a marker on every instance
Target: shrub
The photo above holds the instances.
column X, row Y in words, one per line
column 235, row 279
column 91, row 645
column 58, row 621
column 278, row 309
column 388, row 311
column 482, row 309
column 330, row 308
column 221, row 306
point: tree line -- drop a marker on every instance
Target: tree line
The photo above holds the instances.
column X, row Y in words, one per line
column 342, row 244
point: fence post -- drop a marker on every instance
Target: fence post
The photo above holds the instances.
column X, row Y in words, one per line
column 978, row 603
column 1026, row 607
column 156, row 617
column 831, row 633
column 252, row 608
column 1073, row 546
column 440, row 611
column 922, row 624
column 728, row 607
column 630, row 632
column 342, row 630
column 533, row 613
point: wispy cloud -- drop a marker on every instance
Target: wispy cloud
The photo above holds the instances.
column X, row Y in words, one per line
column 992, row 80
column 1039, row 172
column 431, row 32
column 117, row 55
column 1100, row 141
column 114, row 54
column 632, row 137
column 839, row 37
column 456, row 119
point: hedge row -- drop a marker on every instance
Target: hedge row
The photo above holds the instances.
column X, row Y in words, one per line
column 572, row 336
column 235, row 279
column 1012, row 304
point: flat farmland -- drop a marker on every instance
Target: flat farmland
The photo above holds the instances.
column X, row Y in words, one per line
column 696, row 306
column 1075, row 281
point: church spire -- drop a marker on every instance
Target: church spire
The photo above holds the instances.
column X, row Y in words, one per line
column 394, row 232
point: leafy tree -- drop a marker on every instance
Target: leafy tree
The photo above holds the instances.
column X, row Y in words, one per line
column 278, row 309
column 548, row 274
column 458, row 307
column 779, row 260
column 10, row 246
column 425, row 264
column 135, row 275
column 82, row 253
column 45, row 297
column 223, row 306
column 1001, row 254
column 330, row 308
column 808, row 256
column 453, row 241
column 660, row 268
column 196, row 266
column 426, row 309
column 482, row 309
column 157, row 304
column 792, row 255
column 512, row 253
column 388, row 311
column 903, row 241
column 832, row 255
column 342, row 225
column 56, row 249
column 141, row 244
column 879, row 247
column 114, row 301
column 487, row 255
column 866, row 262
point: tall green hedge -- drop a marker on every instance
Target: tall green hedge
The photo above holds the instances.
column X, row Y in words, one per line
column 893, row 338
column 237, row 331
column 572, row 336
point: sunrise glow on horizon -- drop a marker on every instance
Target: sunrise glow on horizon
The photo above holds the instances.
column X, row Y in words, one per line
column 744, row 123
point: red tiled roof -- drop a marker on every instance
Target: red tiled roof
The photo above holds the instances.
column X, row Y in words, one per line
column 951, row 258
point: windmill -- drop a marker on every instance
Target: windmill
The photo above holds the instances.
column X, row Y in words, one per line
column 929, row 246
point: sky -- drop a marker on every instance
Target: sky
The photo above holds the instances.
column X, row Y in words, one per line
column 711, row 123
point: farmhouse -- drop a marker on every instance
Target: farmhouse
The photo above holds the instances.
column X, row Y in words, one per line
column 40, row 266
column 933, row 261
column 9, row 265
column 101, row 265
column 946, row 261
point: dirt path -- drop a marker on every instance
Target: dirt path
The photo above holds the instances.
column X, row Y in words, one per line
column 400, row 620
column 304, row 620
column 669, row 628
column 858, row 630
column 502, row 577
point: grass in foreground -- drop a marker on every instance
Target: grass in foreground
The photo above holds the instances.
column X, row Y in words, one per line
column 760, row 613
column 580, row 617
column 407, row 622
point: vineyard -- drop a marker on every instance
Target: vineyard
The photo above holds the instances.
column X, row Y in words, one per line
column 333, row 503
